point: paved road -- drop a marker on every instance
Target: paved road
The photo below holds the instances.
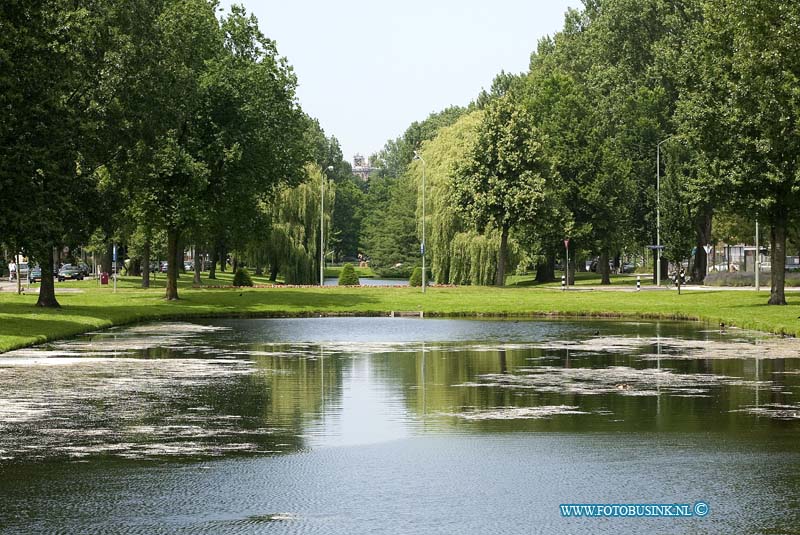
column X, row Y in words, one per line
column 654, row 288
column 6, row 286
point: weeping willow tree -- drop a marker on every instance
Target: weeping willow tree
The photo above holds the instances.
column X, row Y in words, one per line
column 442, row 222
column 459, row 254
column 473, row 257
column 292, row 248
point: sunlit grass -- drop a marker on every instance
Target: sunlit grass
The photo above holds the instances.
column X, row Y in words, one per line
column 86, row 306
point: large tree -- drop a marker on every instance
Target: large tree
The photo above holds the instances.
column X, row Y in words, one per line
column 252, row 132
column 443, row 155
column 58, row 72
column 750, row 52
column 292, row 245
column 165, row 171
column 503, row 181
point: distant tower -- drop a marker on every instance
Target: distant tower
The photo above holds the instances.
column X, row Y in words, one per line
column 361, row 167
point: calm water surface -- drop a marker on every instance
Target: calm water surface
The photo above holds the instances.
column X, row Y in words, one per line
column 377, row 425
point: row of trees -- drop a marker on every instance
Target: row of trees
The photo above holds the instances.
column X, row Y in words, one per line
column 152, row 123
column 568, row 149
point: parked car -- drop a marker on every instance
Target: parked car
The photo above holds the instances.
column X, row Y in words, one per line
column 188, row 266
column 164, row 266
column 85, row 269
column 593, row 265
column 724, row 267
column 628, row 268
column 35, row 274
column 22, row 269
column 69, row 271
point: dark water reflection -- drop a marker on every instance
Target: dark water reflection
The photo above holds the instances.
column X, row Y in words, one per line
column 351, row 425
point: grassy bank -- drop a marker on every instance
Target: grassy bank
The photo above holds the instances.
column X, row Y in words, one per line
column 92, row 307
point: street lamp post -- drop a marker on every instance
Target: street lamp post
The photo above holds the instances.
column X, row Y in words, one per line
column 322, row 229
column 758, row 261
column 658, row 210
column 422, row 247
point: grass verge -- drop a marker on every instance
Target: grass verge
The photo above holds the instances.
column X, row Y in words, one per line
column 22, row 324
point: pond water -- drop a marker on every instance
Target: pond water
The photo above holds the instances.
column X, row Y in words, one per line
column 379, row 425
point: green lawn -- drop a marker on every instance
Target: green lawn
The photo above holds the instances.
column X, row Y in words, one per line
column 581, row 279
column 21, row 323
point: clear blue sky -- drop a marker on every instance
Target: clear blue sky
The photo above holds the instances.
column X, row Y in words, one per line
column 368, row 68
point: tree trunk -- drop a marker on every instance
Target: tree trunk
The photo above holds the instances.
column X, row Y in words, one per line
column 172, row 268
column 273, row 271
column 235, row 264
column 603, row 269
column 502, row 257
column 546, row 271
column 259, row 271
column 136, row 267
column 212, row 256
column 47, row 289
column 223, row 259
column 197, row 267
column 178, row 259
column 106, row 260
column 703, row 230
column 146, row 262
column 778, row 262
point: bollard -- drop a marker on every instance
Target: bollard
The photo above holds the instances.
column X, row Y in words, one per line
column 563, row 283
column 638, row 282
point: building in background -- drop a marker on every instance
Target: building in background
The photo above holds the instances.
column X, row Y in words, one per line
column 361, row 167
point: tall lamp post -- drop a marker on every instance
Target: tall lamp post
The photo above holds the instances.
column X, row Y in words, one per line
column 322, row 228
column 658, row 210
column 758, row 261
column 422, row 247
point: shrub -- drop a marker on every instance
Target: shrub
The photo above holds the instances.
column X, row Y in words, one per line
column 348, row 277
column 738, row 279
column 724, row 278
column 242, row 278
column 416, row 277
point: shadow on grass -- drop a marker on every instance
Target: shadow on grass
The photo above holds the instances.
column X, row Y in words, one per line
column 24, row 324
column 580, row 283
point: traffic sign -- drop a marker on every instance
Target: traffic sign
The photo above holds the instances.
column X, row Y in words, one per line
column 707, row 248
